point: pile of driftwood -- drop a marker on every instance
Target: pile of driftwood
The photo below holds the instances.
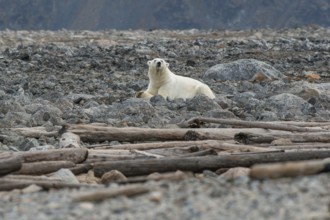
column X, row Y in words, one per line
column 268, row 149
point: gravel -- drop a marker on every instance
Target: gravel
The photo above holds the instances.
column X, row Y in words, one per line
column 50, row 78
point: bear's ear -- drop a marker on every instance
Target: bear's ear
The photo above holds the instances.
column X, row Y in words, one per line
column 167, row 64
column 149, row 62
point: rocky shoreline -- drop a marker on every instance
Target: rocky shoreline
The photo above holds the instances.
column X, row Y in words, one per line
column 67, row 77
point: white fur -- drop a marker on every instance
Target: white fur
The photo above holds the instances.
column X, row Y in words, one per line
column 165, row 83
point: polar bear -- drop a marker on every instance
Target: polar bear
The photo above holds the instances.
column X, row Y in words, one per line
column 165, row 83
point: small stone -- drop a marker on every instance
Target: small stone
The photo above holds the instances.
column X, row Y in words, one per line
column 156, row 196
column 65, row 175
column 236, row 172
column 113, row 176
column 86, row 205
column 31, row 189
column 91, row 179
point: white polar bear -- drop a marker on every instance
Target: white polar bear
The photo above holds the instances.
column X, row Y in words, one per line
column 165, row 83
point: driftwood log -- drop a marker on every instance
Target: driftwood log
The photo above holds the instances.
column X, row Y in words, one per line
column 97, row 133
column 252, row 138
column 81, row 168
column 70, row 154
column 204, row 144
column 69, row 139
column 290, row 169
column 197, row 164
column 195, row 122
column 11, row 182
column 94, row 133
column 9, row 163
column 44, row 167
column 302, row 146
column 37, row 132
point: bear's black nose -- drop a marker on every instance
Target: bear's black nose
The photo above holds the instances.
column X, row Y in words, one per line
column 158, row 64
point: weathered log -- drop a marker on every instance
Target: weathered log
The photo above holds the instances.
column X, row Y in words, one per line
column 206, row 152
column 74, row 155
column 81, row 168
column 303, row 146
column 44, row 167
column 37, row 132
column 68, row 140
column 102, row 158
column 195, row 122
column 289, row 169
column 320, row 124
column 10, row 184
column 197, row 164
column 147, row 154
column 111, row 155
column 175, row 148
column 130, row 190
column 205, row 144
column 252, row 138
column 9, row 163
column 94, row 133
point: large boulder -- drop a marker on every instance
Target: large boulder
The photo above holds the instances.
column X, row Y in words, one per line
column 243, row 69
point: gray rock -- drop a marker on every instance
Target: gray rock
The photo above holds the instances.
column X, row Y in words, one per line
column 219, row 113
column 267, row 116
column 202, row 104
column 63, row 104
column 27, row 144
column 47, row 114
column 288, row 106
column 65, row 175
column 136, row 111
column 243, row 69
column 10, row 106
column 14, row 119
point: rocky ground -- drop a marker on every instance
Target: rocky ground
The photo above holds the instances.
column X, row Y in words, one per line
column 51, row 78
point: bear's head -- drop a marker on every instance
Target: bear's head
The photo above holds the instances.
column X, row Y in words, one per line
column 158, row 64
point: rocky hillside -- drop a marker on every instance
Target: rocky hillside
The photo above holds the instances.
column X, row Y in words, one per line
column 157, row 14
